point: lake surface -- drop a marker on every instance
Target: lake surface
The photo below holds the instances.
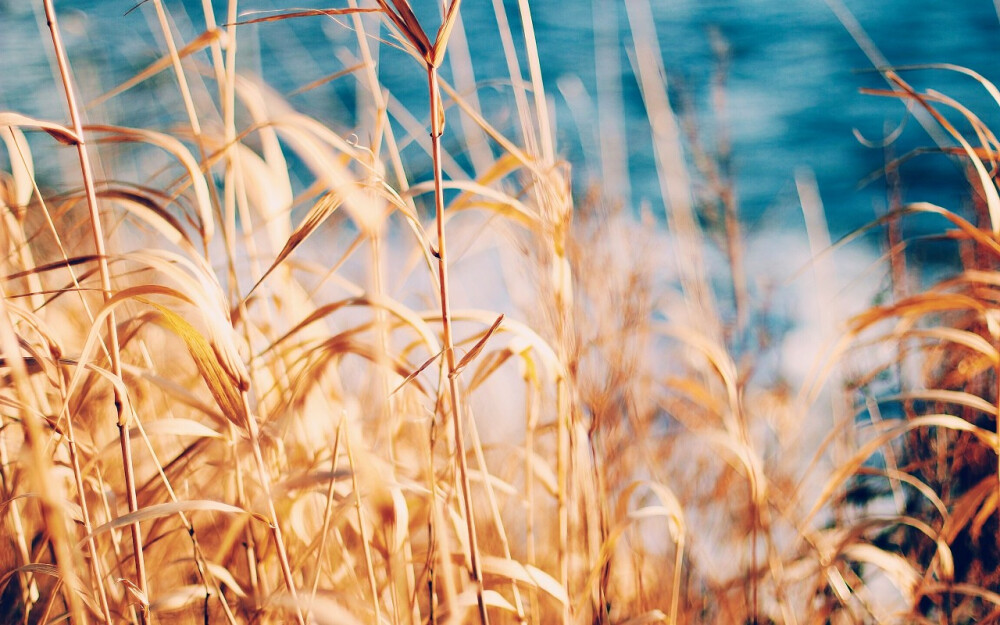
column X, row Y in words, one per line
column 791, row 94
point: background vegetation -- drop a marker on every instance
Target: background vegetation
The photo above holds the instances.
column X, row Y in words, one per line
column 246, row 377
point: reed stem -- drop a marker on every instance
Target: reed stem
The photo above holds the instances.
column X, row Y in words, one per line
column 105, row 276
column 437, row 129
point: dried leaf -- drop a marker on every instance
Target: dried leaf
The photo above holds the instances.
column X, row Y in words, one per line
column 134, row 591
column 653, row 616
column 167, row 509
column 22, row 167
column 546, row 582
column 491, row 598
column 407, row 23
column 178, row 427
column 444, row 33
column 899, row 571
column 61, row 133
column 170, row 144
column 323, row 208
column 303, row 13
column 220, row 383
column 203, row 40
column 147, row 207
column 983, row 515
column 543, row 473
column 416, row 372
column 180, row 597
column 322, row 610
column 846, row 469
column 958, row 398
column 477, row 195
column 988, row 187
column 477, row 348
column 917, row 306
column 328, row 78
column 223, row 575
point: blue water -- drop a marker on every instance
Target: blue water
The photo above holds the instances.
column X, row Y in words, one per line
column 791, row 96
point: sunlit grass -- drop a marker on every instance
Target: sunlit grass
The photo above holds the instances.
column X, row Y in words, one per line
column 247, row 380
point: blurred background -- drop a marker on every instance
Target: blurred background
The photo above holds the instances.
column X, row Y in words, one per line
column 767, row 87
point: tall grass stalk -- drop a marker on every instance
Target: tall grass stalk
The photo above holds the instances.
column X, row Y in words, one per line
column 437, row 129
column 432, row 55
column 124, row 419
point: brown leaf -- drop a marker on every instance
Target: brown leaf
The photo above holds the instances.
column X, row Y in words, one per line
column 61, row 133
column 478, row 347
column 407, row 23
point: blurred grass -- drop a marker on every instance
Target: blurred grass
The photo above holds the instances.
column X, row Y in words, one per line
column 566, row 414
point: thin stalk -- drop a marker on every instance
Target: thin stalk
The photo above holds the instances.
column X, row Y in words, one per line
column 208, row 579
column 594, row 498
column 210, row 583
column 95, row 560
column 189, row 106
column 538, row 144
column 404, row 585
column 227, row 211
column 50, row 602
column 563, row 481
column 439, row 541
column 384, row 132
column 365, row 539
column 727, row 193
column 531, row 423
column 327, row 513
column 405, row 589
column 535, row 70
column 98, row 234
column 227, row 214
column 437, row 128
column 39, row 472
column 477, row 449
column 236, row 202
column 225, row 74
column 265, row 483
column 249, row 543
column 102, row 490
column 7, row 488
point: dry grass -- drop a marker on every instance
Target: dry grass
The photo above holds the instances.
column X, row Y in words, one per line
column 236, row 390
